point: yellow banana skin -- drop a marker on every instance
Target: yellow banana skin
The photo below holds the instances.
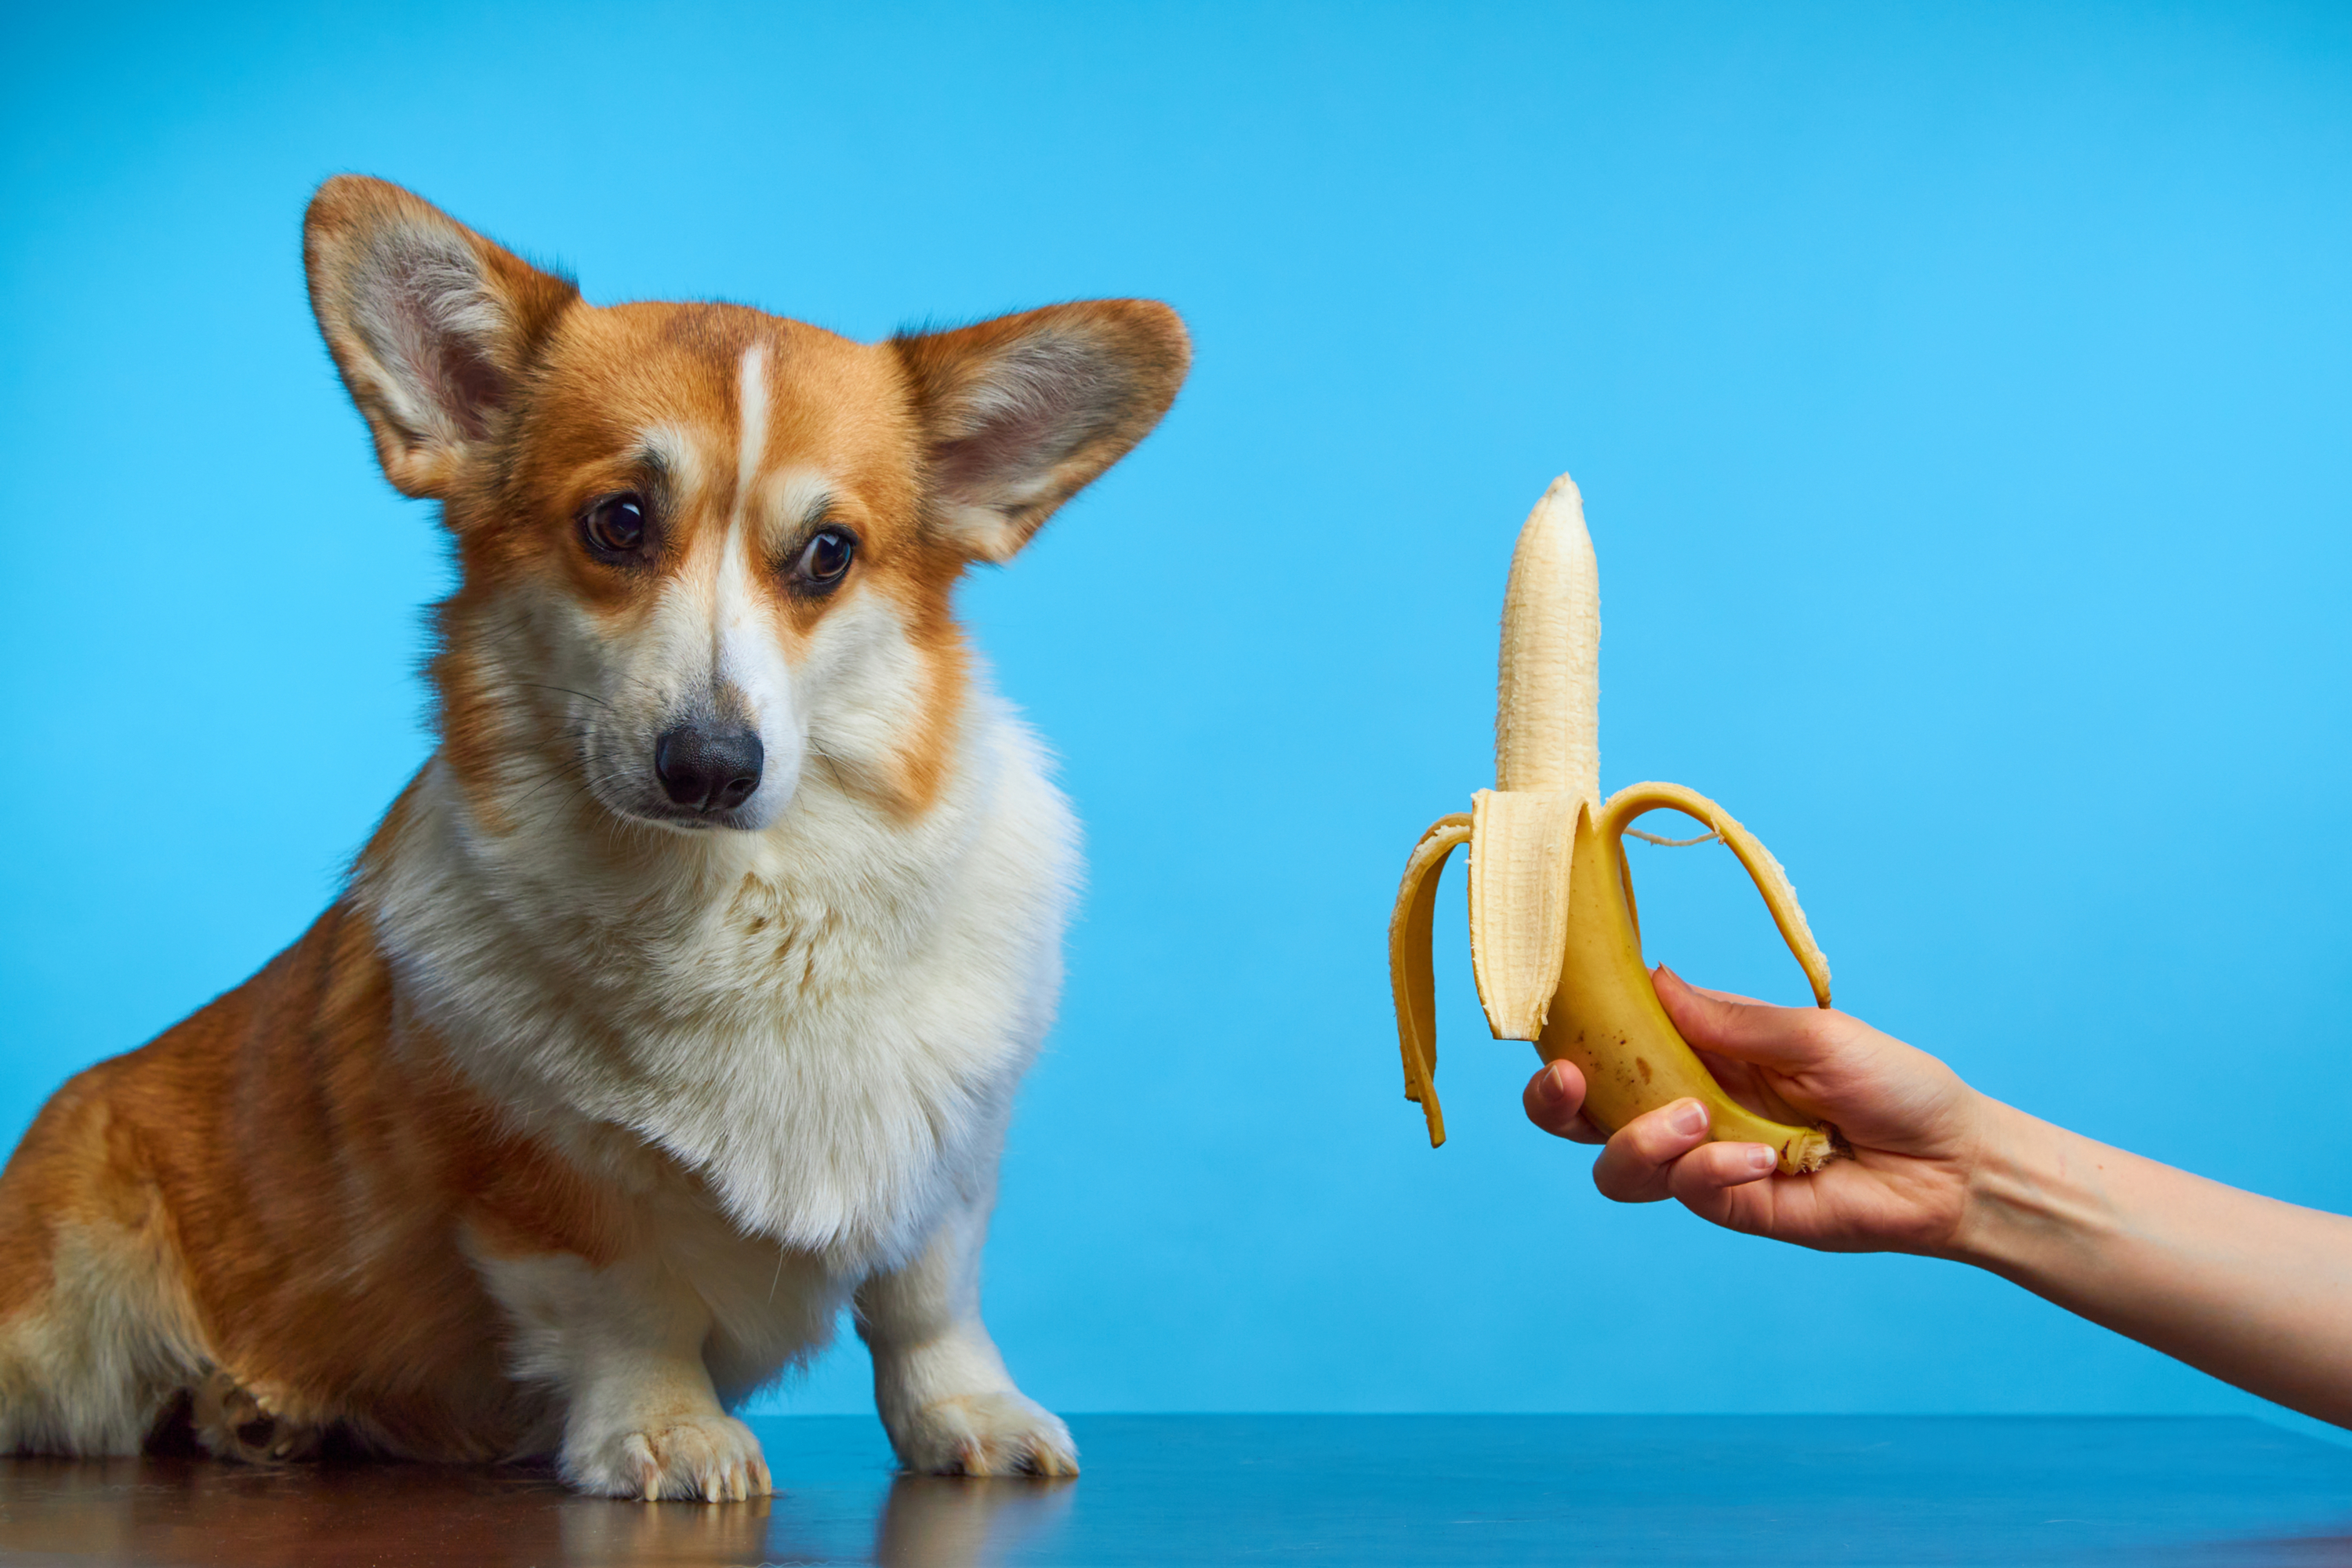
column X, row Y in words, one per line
column 1411, row 980
column 1605, row 1016
column 1556, row 945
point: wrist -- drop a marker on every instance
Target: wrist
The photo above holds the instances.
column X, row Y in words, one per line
column 2028, row 1197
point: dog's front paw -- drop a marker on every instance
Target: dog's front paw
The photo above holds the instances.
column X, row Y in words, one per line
column 987, row 1435
column 710, row 1456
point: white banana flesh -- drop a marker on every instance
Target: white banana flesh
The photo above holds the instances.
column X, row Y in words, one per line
column 1555, row 945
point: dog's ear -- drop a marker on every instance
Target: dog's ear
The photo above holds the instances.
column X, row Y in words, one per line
column 431, row 324
column 1020, row 413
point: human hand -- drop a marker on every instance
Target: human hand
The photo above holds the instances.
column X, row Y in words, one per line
column 1916, row 1130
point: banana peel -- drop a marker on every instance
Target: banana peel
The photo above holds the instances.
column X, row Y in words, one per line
column 1555, row 940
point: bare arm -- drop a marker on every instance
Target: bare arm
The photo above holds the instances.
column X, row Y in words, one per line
column 2253, row 1290
column 2244, row 1287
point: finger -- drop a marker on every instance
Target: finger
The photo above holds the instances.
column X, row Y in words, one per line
column 1635, row 1166
column 1785, row 1039
column 1700, row 1177
column 1554, row 1099
column 1721, row 995
column 1732, row 1073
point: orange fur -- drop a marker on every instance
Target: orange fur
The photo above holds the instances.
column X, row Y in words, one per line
column 298, row 1186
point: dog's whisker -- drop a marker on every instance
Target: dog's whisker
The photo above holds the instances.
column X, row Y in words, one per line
column 569, row 691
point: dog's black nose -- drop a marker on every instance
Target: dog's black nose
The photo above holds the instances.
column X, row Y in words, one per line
column 708, row 770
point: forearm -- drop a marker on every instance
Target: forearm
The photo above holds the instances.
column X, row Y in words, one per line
column 2255, row 1291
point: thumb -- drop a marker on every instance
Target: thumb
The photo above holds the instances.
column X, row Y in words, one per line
column 1786, row 1040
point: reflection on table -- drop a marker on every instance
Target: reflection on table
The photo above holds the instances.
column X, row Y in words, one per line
column 1653, row 1491
column 200, row 1514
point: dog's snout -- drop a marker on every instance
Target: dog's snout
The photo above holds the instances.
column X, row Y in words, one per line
column 708, row 770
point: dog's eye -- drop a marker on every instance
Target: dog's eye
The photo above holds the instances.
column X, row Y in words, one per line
column 615, row 525
column 825, row 558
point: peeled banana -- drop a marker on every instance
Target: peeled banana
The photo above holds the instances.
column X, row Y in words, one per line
column 1555, row 945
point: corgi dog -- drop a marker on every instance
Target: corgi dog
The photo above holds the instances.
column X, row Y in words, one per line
column 678, row 1001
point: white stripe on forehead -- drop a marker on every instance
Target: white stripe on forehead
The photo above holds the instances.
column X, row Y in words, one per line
column 751, row 432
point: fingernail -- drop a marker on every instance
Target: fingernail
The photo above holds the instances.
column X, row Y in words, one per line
column 1761, row 1159
column 1690, row 1116
column 1548, row 1086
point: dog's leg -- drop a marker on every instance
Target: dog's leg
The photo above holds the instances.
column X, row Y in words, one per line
column 623, row 1345
column 95, row 1333
column 944, row 1396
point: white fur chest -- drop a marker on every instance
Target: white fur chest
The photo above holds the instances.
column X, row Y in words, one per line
column 825, row 1020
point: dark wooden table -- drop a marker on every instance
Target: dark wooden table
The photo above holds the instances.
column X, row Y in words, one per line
column 1438, row 1489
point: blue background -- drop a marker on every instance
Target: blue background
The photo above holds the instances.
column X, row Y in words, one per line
column 1960, row 399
